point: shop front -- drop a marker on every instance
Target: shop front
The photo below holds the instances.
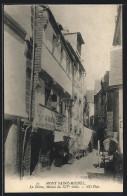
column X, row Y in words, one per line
column 47, row 137
column 41, row 150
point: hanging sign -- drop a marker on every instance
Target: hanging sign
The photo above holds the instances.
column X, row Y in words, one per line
column 110, row 121
column 50, row 120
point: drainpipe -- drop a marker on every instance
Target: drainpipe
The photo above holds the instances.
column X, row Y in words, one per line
column 31, row 89
column 32, row 67
column 23, row 151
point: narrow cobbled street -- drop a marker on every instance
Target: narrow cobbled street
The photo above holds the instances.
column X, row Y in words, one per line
column 63, row 98
column 84, row 167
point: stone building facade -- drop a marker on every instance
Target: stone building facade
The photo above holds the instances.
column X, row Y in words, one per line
column 17, row 59
column 116, row 78
column 108, row 100
column 51, row 78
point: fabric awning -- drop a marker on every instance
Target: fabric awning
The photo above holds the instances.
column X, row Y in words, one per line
column 58, row 136
column 73, row 137
column 86, row 136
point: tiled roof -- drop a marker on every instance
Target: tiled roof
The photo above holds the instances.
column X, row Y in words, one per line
column 97, row 86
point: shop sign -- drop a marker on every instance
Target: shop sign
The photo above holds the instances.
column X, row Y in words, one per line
column 110, row 121
column 50, row 120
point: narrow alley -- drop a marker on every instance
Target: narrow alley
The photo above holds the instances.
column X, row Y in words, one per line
column 63, row 96
column 86, row 167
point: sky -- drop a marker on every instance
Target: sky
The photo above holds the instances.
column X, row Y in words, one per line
column 96, row 23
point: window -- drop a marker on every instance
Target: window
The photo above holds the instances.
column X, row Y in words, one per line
column 54, row 44
column 79, row 47
column 64, row 108
column 56, row 48
column 75, row 107
column 80, row 74
column 28, row 50
column 61, row 106
column 61, row 57
column 54, row 101
column 70, row 128
column 71, row 113
column 85, row 110
column 75, row 99
column 67, row 63
column 75, row 130
column 71, row 69
column 63, row 62
column 80, row 111
column 68, row 66
column 80, row 131
column 51, row 100
column 47, row 97
column 49, row 36
column 54, row 97
column 75, row 73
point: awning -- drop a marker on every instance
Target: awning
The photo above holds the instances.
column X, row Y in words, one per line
column 86, row 136
column 66, row 134
column 58, row 136
column 73, row 136
column 12, row 117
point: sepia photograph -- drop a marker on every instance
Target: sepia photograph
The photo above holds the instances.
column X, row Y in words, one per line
column 63, row 98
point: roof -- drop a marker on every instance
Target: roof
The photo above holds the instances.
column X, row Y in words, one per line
column 66, row 44
column 75, row 55
column 90, row 96
column 105, row 81
column 97, row 86
column 57, row 28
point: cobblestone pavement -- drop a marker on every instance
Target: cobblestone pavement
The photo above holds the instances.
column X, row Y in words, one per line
column 83, row 167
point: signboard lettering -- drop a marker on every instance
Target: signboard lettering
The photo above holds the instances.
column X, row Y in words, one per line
column 48, row 119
